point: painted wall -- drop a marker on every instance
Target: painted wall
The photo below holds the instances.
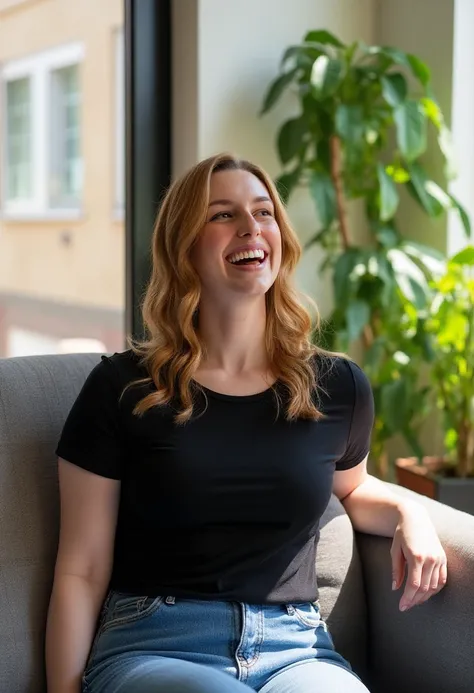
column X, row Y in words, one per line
column 424, row 27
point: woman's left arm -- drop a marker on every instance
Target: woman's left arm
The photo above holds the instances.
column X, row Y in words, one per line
column 374, row 509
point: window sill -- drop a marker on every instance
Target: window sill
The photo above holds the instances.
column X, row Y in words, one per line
column 59, row 215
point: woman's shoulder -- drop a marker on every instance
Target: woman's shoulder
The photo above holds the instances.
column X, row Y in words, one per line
column 124, row 367
column 340, row 378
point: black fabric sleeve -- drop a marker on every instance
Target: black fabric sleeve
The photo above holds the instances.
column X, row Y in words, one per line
column 91, row 435
column 358, row 444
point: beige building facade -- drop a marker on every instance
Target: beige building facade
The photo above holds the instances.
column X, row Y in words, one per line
column 62, row 264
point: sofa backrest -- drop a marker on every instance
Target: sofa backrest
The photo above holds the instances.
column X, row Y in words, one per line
column 36, row 394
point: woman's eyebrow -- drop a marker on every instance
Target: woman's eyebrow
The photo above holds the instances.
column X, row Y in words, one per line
column 262, row 198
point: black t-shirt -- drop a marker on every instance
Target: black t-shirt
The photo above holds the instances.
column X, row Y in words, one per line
column 228, row 505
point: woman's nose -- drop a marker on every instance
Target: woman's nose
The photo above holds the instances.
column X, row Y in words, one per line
column 249, row 227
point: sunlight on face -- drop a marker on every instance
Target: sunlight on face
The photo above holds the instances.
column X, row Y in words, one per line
column 239, row 248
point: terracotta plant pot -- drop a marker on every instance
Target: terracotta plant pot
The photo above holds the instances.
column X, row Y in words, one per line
column 432, row 478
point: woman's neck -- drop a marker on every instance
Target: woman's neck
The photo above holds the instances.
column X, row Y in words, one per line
column 234, row 338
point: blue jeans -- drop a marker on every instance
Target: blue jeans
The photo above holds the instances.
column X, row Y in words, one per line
column 172, row 645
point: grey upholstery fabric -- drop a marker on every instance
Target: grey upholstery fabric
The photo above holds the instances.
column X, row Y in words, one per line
column 341, row 588
column 35, row 396
column 430, row 648
column 427, row 650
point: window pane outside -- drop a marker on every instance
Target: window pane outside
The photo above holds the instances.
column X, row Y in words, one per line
column 18, row 139
column 66, row 176
column 62, row 239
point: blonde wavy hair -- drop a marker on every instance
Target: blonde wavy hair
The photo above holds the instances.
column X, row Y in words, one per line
column 173, row 351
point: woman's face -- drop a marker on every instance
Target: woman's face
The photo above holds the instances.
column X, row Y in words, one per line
column 238, row 250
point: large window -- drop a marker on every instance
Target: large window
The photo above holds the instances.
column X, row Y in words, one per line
column 43, row 162
column 73, row 264
column 62, row 242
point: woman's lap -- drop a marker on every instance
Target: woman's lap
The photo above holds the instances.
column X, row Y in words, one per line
column 156, row 645
column 167, row 675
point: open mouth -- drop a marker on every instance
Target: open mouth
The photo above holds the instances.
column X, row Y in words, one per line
column 248, row 257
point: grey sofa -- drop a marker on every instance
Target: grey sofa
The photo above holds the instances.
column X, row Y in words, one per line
column 427, row 650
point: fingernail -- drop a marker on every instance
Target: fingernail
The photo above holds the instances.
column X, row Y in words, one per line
column 404, row 607
column 394, row 585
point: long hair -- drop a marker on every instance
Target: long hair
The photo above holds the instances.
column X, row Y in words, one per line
column 172, row 351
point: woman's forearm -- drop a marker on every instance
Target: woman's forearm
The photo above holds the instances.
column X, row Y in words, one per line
column 72, row 617
column 374, row 509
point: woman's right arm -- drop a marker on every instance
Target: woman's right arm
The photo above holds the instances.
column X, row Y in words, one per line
column 89, row 507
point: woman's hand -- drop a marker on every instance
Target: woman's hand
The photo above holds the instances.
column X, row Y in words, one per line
column 417, row 548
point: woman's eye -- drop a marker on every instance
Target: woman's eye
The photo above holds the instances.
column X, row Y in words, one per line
column 265, row 213
column 221, row 215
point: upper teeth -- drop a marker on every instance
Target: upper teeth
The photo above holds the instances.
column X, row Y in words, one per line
column 247, row 255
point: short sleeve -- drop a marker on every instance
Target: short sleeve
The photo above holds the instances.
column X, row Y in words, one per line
column 358, row 444
column 91, row 436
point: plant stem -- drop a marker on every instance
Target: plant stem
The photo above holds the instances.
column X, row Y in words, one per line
column 335, row 145
column 336, row 177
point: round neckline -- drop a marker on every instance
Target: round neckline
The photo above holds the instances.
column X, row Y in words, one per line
column 237, row 398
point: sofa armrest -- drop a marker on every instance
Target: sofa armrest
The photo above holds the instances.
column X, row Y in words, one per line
column 429, row 647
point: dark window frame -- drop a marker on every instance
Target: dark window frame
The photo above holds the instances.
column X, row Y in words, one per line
column 147, row 27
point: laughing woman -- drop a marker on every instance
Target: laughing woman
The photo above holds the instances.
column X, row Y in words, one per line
column 194, row 469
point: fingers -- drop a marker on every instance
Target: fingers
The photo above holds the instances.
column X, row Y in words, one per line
column 398, row 566
column 433, row 586
column 426, row 577
column 415, row 572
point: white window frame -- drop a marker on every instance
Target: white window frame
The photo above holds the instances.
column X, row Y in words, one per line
column 119, row 117
column 38, row 68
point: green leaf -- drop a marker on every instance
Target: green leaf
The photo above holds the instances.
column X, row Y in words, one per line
column 389, row 198
column 305, row 55
column 357, row 317
column 445, row 141
column 394, row 404
column 418, row 187
column 413, row 442
column 398, row 173
column 324, row 37
column 464, row 257
column 410, row 122
column 433, row 198
column 437, row 192
column 276, row 89
column 430, row 259
column 463, row 216
column 342, row 274
column 326, row 75
column 432, row 111
column 387, row 236
column 410, row 278
column 322, row 191
column 375, row 353
column 286, row 183
column 419, row 69
column 349, row 124
column 394, row 88
column 290, row 139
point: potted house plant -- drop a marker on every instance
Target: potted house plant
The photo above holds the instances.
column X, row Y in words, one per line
column 450, row 325
column 360, row 132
